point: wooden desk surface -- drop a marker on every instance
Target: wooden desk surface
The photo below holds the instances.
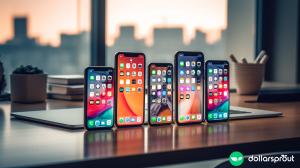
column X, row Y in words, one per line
column 25, row 143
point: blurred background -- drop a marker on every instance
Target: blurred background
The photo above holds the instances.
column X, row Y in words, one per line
column 65, row 36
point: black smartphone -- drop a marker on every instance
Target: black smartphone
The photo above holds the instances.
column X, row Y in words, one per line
column 189, row 76
column 217, row 91
column 160, row 93
column 99, row 98
column 130, row 88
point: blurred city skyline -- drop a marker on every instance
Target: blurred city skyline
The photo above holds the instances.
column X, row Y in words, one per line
column 211, row 19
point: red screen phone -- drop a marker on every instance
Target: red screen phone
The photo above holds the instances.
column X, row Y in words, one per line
column 99, row 98
column 160, row 93
column 217, row 90
column 130, row 91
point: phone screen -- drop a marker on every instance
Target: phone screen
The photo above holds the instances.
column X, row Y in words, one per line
column 217, row 97
column 130, row 88
column 189, row 87
column 99, row 100
column 160, row 93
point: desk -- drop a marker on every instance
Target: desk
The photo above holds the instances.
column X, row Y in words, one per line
column 24, row 143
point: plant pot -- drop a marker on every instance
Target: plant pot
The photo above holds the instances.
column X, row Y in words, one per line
column 249, row 78
column 28, row 88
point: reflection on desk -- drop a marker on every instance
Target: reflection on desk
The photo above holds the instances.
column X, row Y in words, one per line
column 130, row 141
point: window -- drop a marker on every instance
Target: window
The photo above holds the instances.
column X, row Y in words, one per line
column 161, row 28
column 51, row 34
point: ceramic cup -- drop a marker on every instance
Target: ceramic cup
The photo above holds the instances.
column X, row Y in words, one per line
column 249, row 77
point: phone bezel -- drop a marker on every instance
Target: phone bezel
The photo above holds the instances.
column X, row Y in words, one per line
column 128, row 54
column 96, row 68
column 206, row 87
column 189, row 53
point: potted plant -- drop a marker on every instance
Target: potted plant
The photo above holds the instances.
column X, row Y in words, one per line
column 28, row 85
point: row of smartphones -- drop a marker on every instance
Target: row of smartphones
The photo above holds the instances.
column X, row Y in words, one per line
column 117, row 95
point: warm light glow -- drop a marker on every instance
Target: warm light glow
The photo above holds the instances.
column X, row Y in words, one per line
column 47, row 19
column 209, row 16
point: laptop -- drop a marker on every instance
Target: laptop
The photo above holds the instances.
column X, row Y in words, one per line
column 73, row 118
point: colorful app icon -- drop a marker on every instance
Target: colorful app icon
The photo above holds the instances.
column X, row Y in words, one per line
column 139, row 89
column 127, row 65
column 153, row 119
column 91, row 123
column 181, row 63
column 181, row 118
column 210, row 116
column 97, row 123
column 193, row 63
column 92, row 77
column 153, row 72
column 122, row 65
column 187, row 63
column 91, row 102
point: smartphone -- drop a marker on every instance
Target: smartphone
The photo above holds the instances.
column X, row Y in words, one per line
column 189, row 68
column 217, row 91
column 160, row 93
column 130, row 92
column 99, row 98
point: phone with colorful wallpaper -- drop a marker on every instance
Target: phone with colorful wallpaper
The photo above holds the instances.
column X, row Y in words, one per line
column 160, row 93
column 130, row 90
column 217, row 91
column 99, row 98
column 189, row 68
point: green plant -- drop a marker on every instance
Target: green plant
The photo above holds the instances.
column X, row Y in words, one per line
column 29, row 69
column 2, row 78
